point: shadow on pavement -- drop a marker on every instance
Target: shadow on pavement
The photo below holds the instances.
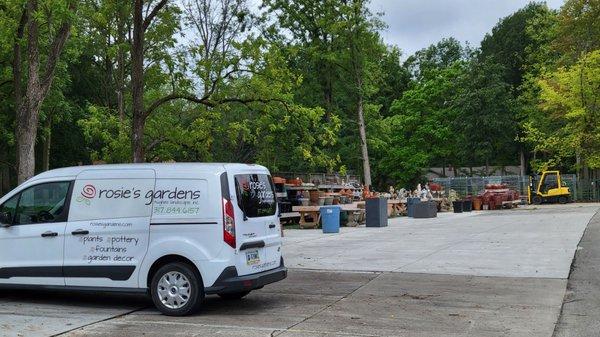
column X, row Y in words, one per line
column 79, row 299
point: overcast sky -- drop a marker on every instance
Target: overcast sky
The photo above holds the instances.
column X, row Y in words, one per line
column 415, row 24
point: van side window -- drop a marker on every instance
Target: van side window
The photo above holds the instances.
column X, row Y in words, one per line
column 255, row 195
column 42, row 203
column 9, row 208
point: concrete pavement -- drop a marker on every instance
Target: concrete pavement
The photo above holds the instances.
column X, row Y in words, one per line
column 499, row 273
column 527, row 242
column 32, row 313
column 313, row 303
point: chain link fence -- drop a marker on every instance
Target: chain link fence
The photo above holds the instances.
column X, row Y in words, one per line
column 581, row 190
column 588, row 190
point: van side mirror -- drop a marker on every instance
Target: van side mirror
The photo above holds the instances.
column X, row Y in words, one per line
column 5, row 219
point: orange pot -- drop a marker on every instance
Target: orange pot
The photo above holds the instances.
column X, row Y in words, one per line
column 477, row 204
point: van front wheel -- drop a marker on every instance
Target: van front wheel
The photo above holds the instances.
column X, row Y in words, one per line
column 234, row 296
column 176, row 289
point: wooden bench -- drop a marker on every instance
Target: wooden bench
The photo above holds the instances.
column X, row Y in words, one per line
column 355, row 216
column 286, row 218
column 394, row 207
column 313, row 211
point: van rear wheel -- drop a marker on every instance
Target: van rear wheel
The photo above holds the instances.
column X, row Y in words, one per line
column 234, row 296
column 176, row 289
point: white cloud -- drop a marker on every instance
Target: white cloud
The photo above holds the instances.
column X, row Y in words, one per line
column 415, row 24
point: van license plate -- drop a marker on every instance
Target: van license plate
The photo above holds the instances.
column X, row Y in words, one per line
column 252, row 258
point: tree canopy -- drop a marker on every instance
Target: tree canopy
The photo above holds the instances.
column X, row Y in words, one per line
column 296, row 85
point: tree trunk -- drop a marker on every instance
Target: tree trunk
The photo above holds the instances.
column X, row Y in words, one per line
column 140, row 24
column 137, row 83
column 108, row 69
column 16, row 65
column 17, row 72
column 46, row 148
column 3, row 167
column 28, row 111
column 487, row 167
column 522, row 158
column 27, row 116
column 5, row 185
column 139, row 125
column 26, row 131
column 328, row 93
column 363, row 141
column 120, row 73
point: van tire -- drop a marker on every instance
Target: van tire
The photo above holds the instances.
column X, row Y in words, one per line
column 234, row 296
column 196, row 289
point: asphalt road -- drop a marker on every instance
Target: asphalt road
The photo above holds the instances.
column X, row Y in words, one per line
column 580, row 315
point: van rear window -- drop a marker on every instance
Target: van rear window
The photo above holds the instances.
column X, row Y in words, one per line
column 255, row 194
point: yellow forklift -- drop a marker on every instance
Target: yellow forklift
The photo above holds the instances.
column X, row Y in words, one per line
column 549, row 188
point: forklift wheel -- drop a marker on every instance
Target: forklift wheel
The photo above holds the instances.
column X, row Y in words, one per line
column 536, row 200
column 563, row 199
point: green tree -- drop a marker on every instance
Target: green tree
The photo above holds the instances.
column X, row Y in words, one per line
column 578, row 30
column 312, row 27
column 426, row 62
column 510, row 40
column 395, row 79
column 569, row 126
column 519, row 42
column 486, row 123
column 421, row 126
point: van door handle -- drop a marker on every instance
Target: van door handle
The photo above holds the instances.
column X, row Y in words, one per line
column 49, row 234
column 253, row 244
column 272, row 225
column 80, row 232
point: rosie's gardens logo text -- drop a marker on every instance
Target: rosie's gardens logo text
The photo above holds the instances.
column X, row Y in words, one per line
column 89, row 192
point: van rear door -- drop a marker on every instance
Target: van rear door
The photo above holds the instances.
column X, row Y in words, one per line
column 258, row 232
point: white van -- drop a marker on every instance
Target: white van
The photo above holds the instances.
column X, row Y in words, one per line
column 177, row 231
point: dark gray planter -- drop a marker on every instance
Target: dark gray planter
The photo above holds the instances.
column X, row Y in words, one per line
column 467, row 205
column 457, row 206
column 410, row 202
column 423, row 210
column 376, row 209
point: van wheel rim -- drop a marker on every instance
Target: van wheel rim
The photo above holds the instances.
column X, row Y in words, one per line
column 174, row 290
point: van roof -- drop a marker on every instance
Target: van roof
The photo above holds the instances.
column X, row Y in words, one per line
column 72, row 172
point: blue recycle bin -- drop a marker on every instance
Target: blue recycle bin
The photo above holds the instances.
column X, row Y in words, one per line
column 410, row 202
column 330, row 217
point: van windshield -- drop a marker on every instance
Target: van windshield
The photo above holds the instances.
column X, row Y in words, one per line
column 255, row 194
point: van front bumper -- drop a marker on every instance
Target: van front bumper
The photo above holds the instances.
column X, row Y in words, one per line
column 230, row 282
